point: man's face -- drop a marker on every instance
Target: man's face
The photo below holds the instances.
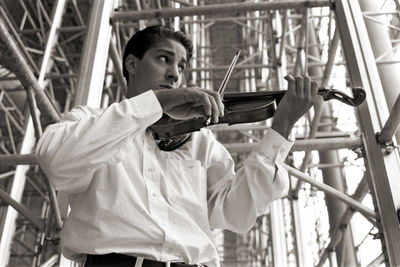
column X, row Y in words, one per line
column 161, row 67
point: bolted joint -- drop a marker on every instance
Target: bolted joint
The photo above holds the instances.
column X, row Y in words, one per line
column 387, row 146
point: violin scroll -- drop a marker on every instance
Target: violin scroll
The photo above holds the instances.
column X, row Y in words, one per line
column 358, row 96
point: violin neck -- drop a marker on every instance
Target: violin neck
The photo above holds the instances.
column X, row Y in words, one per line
column 270, row 95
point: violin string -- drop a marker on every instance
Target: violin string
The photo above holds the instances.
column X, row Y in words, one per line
column 228, row 74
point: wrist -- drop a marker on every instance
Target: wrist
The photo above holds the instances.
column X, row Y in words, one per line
column 283, row 128
column 160, row 96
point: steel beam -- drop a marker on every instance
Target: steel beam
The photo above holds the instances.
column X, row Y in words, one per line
column 93, row 62
column 382, row 169
column 215, row 9
column 383, row 49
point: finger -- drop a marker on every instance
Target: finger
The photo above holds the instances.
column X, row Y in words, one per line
column 314, row 88
column 314, row 92
column 299, row 86
column 215, row 109
column 217, row 98
column 197, row 111
column 205, row 100
column 291, row 84
column 307, row 87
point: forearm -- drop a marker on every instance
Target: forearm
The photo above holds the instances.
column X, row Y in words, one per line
column 237, row 199
column 87, row 138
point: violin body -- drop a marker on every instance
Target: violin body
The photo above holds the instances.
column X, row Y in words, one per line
column 244, row 108
column 236, row 111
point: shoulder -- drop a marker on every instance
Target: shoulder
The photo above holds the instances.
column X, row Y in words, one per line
column 80, row 112
column 207, row 144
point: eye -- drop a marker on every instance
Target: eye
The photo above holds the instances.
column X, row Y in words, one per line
column 182, row 67
column 163, row 59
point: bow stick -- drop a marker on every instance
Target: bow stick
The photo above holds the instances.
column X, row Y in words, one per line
column 228, row 74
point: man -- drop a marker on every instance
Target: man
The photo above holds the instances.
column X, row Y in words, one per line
column 133, row 204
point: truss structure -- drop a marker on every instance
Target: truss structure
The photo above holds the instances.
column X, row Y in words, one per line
column 343, row 204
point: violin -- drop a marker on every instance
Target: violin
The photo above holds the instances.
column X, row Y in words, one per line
column 245, row 108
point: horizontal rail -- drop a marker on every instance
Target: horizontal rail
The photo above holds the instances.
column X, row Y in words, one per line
column 215, row 9
column 22, row 210
column 305, row 145
column 299, row 145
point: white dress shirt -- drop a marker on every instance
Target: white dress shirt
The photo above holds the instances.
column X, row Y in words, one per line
column 127, row 196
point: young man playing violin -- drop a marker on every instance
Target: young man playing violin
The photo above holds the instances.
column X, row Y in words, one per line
column 134, row 204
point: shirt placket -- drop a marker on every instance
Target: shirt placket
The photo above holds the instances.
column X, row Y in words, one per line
column 158, row 207
column 152, row 177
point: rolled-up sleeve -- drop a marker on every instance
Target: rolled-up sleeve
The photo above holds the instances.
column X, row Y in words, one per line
column 84, row 139
column 236, row 199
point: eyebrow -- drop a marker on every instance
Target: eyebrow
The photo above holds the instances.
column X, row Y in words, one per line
column 171, row 53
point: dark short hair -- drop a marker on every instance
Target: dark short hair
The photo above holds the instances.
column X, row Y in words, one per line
column 143, row 40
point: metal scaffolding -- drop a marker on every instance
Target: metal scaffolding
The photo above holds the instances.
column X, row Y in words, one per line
column 343, row 166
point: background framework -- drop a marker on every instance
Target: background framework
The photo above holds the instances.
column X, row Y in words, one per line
column 63, row 43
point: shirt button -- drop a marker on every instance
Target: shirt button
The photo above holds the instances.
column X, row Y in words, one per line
column 155, row 194
column 150, row 169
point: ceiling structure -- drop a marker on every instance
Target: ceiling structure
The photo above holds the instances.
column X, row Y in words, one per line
column 54, row 55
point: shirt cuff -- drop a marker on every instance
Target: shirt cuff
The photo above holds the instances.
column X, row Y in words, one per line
column 146, row 106
column 275, row 146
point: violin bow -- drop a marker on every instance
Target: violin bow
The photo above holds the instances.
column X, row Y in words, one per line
column 228, row 74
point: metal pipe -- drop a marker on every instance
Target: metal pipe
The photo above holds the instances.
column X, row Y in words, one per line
column 333, row 177
column 304, row 145
column 116, row 58
column 22, row 210
column 381, row 44
column 16, row 62
column 320, row 104
column 336, row 235
column 392, row 124
column 215, row 9
column 381, row 169
column 368, row 213
column 18, row 40
column 19, row 159
column 35, row 116
column 299, row 145
column 93, row 62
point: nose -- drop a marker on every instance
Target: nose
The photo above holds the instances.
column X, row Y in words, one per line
column 173, row 73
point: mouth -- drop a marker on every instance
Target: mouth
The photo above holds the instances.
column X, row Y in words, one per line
column 167, row 86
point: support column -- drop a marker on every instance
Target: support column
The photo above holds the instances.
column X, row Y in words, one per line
column 381, row 45
column 345, row 251
column 93, row 62
column 382, row 169
column 279, row 248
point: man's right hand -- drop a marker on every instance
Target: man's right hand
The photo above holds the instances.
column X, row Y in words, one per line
column 189, row 102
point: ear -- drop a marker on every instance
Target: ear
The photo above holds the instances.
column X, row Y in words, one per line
column 130, row 64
